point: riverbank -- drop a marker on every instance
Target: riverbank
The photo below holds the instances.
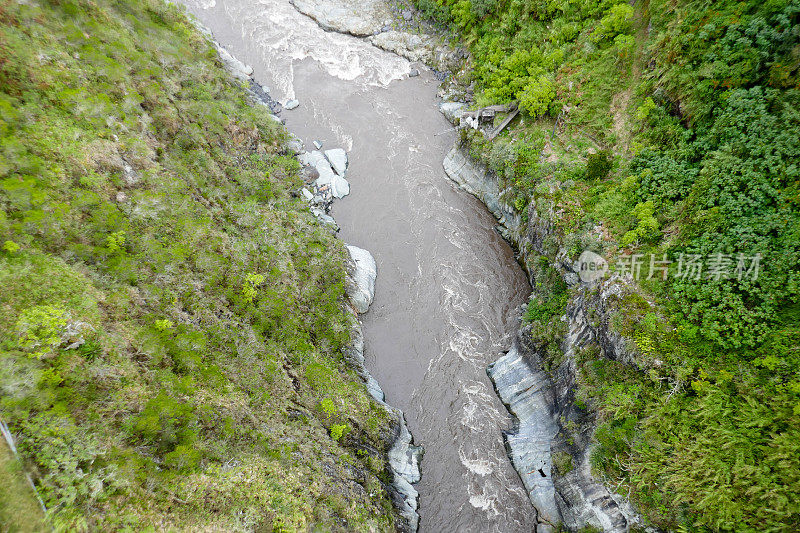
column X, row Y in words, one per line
column 324, row 173
column 550, row 445
column 629, row 157
column 448, row 282
column 175, row 320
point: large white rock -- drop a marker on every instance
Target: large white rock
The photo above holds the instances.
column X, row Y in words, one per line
column 362, row 294
column 234, row 66
column 311, row 158
column 326, row 174
column 340, row 187
column 356, row 17
column 338, row 159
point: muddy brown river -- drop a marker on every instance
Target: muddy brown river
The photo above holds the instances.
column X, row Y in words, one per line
column 447, row 282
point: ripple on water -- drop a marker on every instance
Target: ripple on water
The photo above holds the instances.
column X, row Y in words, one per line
column 447, row 283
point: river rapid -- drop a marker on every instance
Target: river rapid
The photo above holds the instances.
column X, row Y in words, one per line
column 447, row 284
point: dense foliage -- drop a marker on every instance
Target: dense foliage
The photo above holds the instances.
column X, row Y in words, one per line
column 171, row 317
column 698, row 104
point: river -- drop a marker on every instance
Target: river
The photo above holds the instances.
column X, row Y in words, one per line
column 447, row 282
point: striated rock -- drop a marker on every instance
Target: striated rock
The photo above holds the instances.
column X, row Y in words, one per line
column 338, row 160
column 526, row 392
column 476, row 179
column 364, row 277
column 360, row 18
column 543, row 402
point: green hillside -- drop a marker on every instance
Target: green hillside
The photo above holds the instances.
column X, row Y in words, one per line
column 171, row 317
column 665, row 127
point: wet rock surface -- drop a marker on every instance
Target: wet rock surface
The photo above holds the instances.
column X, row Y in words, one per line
column 404, row 457
column 548, row 421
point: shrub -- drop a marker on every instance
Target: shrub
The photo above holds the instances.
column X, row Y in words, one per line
column 598, row 165
column 338, row 431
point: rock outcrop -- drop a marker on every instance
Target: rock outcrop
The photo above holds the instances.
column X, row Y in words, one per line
column 548, row 422
column 476, row 179
column 374, row 21
column 363, row 277
column 360, row 19
column 403, row 456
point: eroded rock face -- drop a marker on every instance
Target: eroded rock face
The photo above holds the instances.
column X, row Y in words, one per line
column 364, row 278
column 412, row 46
column 542, row 401
column 403, row 456
column 526, row 391
column 476, row 179
column 360, row 19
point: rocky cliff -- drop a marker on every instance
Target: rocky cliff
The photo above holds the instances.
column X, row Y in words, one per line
column 550, row 445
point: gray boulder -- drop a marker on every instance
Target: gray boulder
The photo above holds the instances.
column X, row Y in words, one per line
column 338, row 160
column 233, row 65
column 363, row 292
column 295, row 144
column 453, row 111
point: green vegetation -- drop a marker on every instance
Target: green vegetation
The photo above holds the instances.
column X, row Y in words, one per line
column 673, row 127
column 19, row 510
column 170, row 314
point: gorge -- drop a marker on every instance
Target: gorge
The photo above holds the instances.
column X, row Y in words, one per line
column 281, row 265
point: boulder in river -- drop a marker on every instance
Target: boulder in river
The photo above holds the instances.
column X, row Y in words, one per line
column 338, row 160
column 291, row 104
column 363, row 291
column 340, row 187
column 326, row 174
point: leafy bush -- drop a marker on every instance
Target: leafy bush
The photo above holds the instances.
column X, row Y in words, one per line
column 617, row 20
column 598, row 165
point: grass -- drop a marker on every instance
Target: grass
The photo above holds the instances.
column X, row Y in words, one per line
column 171, row 314
column 19, row 509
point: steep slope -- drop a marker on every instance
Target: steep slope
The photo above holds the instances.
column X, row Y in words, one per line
column 173, row 319
column 661, row 136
